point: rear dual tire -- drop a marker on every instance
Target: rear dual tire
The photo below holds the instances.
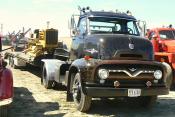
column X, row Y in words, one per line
column 45, row 80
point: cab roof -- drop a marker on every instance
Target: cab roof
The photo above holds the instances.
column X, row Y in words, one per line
column 108, row 14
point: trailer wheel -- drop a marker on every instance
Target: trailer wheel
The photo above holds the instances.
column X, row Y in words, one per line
column 9, row 61
column 12, row 62
column 47, row 83
column 3, row 111
column 148, row 101
column 82, row 101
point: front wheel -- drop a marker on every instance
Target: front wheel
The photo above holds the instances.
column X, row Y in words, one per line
column 82, row 101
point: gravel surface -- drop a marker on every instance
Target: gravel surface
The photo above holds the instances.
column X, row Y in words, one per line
column 31, row 99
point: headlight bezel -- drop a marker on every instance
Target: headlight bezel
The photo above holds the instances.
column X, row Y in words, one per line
column 103, row 74
column 158, row 74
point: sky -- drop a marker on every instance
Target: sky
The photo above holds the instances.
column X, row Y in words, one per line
column 15, row 14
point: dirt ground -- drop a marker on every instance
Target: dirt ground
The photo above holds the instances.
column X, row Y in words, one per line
column 31, row 99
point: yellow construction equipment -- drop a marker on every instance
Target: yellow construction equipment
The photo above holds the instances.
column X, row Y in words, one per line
column 42, row 42
column 40, row 45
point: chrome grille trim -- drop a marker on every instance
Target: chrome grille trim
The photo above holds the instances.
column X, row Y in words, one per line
column 134, row 74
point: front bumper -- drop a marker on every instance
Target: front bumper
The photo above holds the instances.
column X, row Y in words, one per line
column 6, row 102
column 115, row 92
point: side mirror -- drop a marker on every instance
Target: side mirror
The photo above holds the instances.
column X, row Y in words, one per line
column 142, row 27
column 72, row 23
column 72, row 27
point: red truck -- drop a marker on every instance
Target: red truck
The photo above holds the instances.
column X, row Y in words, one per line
column 163, row 40
column 6, row 86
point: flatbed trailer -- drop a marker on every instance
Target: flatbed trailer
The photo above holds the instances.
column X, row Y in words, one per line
column 21, row 59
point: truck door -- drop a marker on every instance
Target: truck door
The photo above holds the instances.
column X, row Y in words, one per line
column 78, row 40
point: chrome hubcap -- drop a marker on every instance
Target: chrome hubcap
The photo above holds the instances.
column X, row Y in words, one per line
column 76, row 90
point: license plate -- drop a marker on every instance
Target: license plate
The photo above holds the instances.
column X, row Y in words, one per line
column 134, row 92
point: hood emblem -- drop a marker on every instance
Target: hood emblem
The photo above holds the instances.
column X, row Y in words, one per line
column 131, row 46
column 92, row 51
column 132, row 69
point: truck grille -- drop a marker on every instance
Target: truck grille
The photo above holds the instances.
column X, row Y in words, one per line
column 130, row 75
column 120, row 74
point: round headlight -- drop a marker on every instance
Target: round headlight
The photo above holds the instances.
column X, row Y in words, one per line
column 103, row 73
column 158, row 74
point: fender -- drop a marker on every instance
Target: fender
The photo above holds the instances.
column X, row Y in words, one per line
column 6, row 85
column 80, row 65
column 76, row 66
column 53, row 68
column 168, row 78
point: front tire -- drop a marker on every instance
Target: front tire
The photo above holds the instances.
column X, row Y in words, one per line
column 82, row 101
column 4, row 111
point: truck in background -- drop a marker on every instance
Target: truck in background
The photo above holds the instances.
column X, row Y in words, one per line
column 6, row 86
column 163, row 40
column 108, row 58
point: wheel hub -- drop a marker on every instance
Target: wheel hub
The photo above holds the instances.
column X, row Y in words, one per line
column 76, row 91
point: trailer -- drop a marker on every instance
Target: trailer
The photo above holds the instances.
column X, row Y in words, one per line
column 41, row 45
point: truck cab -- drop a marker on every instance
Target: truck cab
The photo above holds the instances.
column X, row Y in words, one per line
column 163, row 40
column 108, row 58
column 6, row 86
column 95, row 28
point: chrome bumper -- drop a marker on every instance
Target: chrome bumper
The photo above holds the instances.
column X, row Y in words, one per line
column 6, row 101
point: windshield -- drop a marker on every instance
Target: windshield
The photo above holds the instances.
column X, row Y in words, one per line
column 113, row 25
column 167, row 34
